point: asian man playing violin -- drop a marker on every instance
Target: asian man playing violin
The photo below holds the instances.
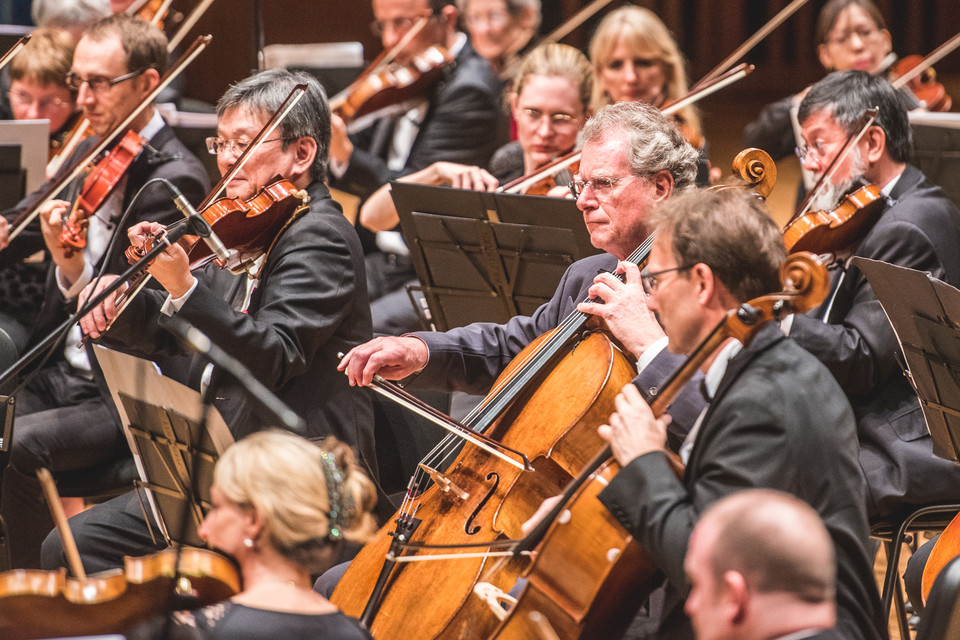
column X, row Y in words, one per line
column 775, row 418
column 65, row 420
column 920, row 229
column 306, row 302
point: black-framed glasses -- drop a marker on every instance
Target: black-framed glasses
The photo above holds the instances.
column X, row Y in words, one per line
column 98, row 84
column 601, row 185
column 651, row 280
column 217, row 145
column 399, row 25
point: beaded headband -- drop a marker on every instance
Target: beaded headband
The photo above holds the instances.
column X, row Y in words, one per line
column 340, row 504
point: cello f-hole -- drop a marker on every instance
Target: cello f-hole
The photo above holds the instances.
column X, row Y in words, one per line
column 493, row 475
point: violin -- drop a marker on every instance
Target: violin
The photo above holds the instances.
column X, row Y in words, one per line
column 98, row 186
column 391, row 87
column 929, row 93
column 613, row 573
column 830, row 231
column 247, row 227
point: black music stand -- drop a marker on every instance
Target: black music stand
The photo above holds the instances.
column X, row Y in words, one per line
column 925, row 315
column 486, row 257
column 175, row 447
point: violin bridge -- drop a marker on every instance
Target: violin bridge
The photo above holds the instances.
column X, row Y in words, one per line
column 446, row 484
column 499, row 601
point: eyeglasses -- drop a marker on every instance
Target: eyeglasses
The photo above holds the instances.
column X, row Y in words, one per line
column 494, row 19
column 398, row 25
column 864, row 33
column 98, row 84
column 224, row 145
column 651, row 281
column 818, row 149
column 600, row 185
column 20, row 99
column 532, row 117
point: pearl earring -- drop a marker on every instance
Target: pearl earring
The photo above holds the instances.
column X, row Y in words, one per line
column 248, row 543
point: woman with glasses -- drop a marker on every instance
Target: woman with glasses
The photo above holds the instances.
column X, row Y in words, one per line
column 500, row 30
column 38, row 87
column 851, row 34
column 636, row 59
column 554, row 83
column 282, row 508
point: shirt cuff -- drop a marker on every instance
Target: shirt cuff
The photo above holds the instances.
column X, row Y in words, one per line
column 650, row 353
column 73, row 290
column 172, row 305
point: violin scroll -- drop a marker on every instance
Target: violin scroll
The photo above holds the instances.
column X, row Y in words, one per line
column 757, row 169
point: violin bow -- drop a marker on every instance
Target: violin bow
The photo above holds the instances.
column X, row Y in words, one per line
column 188, row 23
column 80, row 166
column 935, row 56
column 60, row 519
column 866, row 121
column 14, row 50
column 124, row 299
column 573, row 22
column 752, row 41
column 737, row 73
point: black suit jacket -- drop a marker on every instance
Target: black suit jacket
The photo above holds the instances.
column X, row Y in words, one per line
column 470, row 358
column 309, row 305
column 165, row 157
column 459, row 126
column 920, row 230
column 777, row 421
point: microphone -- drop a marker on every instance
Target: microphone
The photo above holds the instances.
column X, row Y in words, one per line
column 201, row 343
column 201, row 226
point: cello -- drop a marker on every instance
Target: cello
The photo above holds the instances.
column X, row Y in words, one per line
column 474, row 500
column 598, row 596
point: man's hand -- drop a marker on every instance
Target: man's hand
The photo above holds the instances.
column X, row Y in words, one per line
column 624, row 308
column 462, row 176
column 96, row 322
column 633, row 430
column 391, row 358
column 171, row 267
column 71, row 261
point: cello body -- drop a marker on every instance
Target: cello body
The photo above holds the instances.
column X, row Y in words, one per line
column 555, row 426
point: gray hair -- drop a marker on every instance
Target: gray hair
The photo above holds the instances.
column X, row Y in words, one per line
column 655, row 143
column 266, row 91
column 57, row 14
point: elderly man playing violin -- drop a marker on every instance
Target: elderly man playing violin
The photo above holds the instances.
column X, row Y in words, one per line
column 775, row 418
column 920, row 229
column 66, row 420
column 305, row 302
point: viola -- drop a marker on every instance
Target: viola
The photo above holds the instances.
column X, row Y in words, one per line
column 49, row 604
column 613, row 573
column 830, row 231
column 99, row 184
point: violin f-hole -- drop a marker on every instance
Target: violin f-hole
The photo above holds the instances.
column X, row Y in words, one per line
column 473, row 530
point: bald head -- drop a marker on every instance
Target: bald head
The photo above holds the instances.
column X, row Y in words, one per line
column 777, row 542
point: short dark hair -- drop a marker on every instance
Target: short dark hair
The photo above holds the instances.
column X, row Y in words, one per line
column 730, row 231
column 310, row 118
column 831, row 11
column 144, row 43
column 846, row 95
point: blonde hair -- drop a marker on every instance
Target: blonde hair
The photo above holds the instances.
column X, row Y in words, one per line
column 557, row 60
column 646, row 36
column 310, row 496
column 46, row 59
